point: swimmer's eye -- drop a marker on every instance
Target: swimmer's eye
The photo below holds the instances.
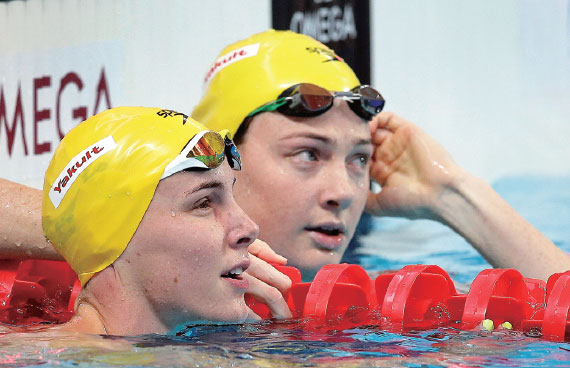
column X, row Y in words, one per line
column 203, row 204
column 306, row 155
column 360, row 161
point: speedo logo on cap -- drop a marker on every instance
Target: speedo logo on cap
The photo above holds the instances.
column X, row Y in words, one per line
column 76, row 166
column 230, row 58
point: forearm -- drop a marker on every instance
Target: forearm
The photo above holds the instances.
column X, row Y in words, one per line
column 505, row 239
column 21, row 234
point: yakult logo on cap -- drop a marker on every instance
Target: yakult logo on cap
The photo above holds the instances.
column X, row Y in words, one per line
column 230, row 58
column 76, row 166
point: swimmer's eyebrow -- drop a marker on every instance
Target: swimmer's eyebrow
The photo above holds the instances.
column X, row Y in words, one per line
column 363, row 142
column 308, row 135
column 207, row 185
column 324, row 139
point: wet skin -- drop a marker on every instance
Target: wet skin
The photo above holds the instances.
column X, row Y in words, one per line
column 190, row 249
column 305, row 182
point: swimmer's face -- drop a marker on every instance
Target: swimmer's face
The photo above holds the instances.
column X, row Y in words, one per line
column 305, row 182
column 190, row 248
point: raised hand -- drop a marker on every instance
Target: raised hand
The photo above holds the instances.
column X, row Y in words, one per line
column 266, row 284
column 412, row 168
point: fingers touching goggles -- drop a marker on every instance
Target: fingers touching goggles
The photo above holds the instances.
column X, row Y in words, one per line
column 205, row 150
column 306, row 99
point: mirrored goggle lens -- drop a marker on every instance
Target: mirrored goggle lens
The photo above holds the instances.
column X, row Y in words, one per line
column 211, row 143
column 206, row 150
column 209, row 150
column 370, row 99
column 314, row 98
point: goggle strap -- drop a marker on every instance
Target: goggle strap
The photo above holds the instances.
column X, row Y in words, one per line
column 180, row 166
column 181, row 158
column 271, row 106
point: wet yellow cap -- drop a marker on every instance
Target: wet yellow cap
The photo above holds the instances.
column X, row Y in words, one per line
column 254, row 71
column 102, row 178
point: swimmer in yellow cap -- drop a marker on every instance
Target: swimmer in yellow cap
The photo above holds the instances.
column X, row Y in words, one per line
column 139, row 202
column 300, row 119
column 303, row 124
column 300, row 114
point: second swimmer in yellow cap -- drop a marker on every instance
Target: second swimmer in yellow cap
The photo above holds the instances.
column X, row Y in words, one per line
column 300, row 118
column 302, row 124
column 139, row 202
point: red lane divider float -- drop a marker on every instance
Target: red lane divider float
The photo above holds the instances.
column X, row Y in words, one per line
column 423, row 296
column 35, row 291
column 415, row 297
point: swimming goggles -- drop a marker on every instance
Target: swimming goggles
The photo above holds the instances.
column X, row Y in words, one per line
column 206, row 150
column 306, row 99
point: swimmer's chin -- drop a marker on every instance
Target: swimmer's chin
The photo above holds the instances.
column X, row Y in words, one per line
column 238, row 314
column 313, row 259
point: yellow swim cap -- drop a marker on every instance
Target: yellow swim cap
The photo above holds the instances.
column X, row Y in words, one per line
column 102, row 178
column 254, row 71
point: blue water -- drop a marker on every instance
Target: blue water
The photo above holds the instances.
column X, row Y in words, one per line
column 393, row 243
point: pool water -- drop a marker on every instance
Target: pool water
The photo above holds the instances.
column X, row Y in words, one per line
column 393, row 243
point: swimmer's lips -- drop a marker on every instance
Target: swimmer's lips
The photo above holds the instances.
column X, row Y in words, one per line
column 328, row 229
column 328, row 235
column 235, row 275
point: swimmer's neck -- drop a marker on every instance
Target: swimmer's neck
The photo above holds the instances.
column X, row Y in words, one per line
column 107, row 306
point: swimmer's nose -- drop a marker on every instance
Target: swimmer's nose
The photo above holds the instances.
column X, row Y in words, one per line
column 243, row 230
column 338, row 190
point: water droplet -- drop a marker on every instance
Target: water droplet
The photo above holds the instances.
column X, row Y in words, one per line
column 18, row 244
column 110, row 196
column 172, row 213
column 128, row 193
